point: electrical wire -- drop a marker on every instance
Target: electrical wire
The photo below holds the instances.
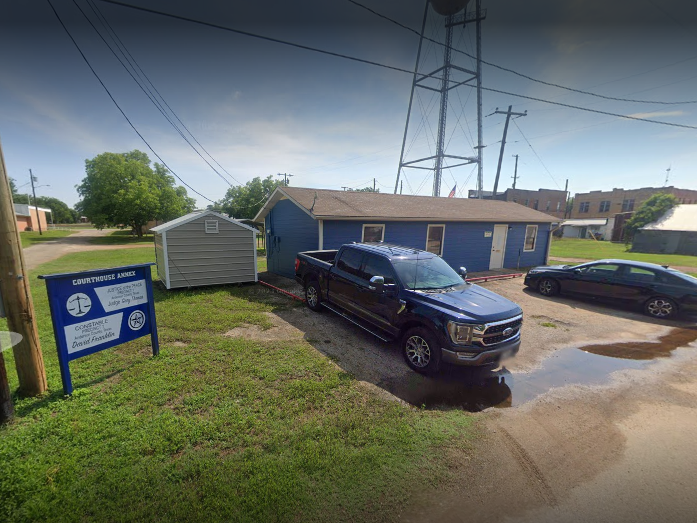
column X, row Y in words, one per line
column 527, row 77
column 369, row 62
column 95, row 7
column 119, row 107
column 590, row 110
column 146, row 90
column 260, row 37
column 535, row 153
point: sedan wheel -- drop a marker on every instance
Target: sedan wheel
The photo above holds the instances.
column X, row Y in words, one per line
column 548, row 287
column 660, row 308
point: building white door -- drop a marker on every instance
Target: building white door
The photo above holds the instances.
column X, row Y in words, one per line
column 498, row 247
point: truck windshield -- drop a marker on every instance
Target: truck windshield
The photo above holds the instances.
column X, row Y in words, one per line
column 426, row 273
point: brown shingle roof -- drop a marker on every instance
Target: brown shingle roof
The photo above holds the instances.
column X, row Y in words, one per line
column 360, row 205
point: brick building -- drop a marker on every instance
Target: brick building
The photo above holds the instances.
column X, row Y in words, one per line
column 606, row 204
column 27, row 218
column 546, row 200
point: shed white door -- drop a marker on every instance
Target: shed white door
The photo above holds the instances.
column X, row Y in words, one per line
column 498, row 246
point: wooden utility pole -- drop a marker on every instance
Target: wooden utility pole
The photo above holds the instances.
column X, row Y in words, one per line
column 373, row 184
column 14, row 287
column 36, row 206
column 7, row 410
column 515, row 173
column 503, row 142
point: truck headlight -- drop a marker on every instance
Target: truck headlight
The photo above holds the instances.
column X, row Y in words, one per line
column 460, row 333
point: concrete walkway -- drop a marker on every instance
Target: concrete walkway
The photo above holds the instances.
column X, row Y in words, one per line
column 80, row 241
column 582, row 260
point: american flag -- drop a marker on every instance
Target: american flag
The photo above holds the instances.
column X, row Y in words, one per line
column 452, row 193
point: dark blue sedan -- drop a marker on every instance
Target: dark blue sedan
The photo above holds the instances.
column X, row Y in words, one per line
column 660, row 291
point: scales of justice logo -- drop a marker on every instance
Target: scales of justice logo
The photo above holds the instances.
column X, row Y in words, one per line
column 79, row 304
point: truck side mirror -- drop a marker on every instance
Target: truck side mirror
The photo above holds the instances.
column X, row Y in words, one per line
column 463, row 272
column 377, row 284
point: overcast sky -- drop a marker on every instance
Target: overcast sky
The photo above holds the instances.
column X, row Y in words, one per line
column 261, row 108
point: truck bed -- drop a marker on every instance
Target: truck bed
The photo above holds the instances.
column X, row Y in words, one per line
column 327, row 256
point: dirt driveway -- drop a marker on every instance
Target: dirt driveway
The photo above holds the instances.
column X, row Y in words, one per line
column 600, row 434
column 80, row 241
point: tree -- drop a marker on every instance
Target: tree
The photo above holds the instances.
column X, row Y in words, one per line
column 16, row 196
column 60, row 212
column 365, row 189
column 244, row 201
column 122, row 190
column 651, row 210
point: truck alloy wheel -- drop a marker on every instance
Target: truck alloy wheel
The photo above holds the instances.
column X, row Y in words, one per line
column 421, row 350
column 660, row 308
column 312, row 296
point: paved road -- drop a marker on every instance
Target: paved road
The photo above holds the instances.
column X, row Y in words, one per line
column 78, row 242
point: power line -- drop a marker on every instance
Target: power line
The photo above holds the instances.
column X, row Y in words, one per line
column 535, row 152
column 94, row 7
column 261, row 37
column 145, row 88
column 118, row 106
column 590, row 110
column 369, row 62
column 527, row 77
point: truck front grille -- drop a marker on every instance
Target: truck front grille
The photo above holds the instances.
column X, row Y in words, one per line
column 494, row 332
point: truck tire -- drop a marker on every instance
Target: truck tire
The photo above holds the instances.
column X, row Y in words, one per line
column 313, row 295
column 421, row 350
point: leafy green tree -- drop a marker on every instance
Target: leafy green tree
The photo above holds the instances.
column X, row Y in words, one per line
column 365, row 189
column 16, row 196
column 244, row 201
column 651, row 210
column 122, row 190
column 60, row 211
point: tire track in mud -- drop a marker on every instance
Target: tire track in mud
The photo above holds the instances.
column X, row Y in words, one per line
column 534, row 474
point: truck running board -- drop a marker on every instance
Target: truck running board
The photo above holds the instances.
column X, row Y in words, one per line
column 350, row 317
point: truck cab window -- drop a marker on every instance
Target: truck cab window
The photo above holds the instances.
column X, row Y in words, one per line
column 350, row 261
column 377, row 266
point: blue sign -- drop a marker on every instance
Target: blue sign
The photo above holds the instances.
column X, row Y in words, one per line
column 95, row 310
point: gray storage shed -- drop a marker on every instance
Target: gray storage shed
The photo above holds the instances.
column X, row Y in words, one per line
column 205, row 248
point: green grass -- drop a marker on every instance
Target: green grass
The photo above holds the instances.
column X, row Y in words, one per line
column 122, row 237
column 597, row 250
column 549, row 324
column 215, row 428
column 30, row 238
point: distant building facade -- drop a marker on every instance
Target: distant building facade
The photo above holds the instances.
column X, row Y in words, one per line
column 28, row 218
column 606, row 204
column 548, row 201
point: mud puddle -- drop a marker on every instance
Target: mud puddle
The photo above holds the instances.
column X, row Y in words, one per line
column 475, row 389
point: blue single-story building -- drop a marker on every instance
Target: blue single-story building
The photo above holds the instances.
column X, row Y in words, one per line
column 472, row 233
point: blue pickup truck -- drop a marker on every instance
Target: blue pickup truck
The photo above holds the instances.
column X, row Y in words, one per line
column 414, row 297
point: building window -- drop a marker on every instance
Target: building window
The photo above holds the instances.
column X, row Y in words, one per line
column 584, row 206
column 558, row 206
column 530, row 238
column 536, row 205
column 604, row 206
column 373, row 232
column 628, row 205
column 211, row 226
column 548, row 205
column 434, row 239
column 527, row 202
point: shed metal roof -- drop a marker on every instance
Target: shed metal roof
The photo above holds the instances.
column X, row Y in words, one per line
column 197, row 214
column 679, row 218
column 352, row 205
column 580, row 222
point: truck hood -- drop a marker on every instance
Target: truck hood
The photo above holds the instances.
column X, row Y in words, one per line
column 471, row 302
